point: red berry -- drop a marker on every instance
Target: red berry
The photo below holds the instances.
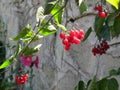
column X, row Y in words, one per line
column 65, row 41
column 81, row 31
column 62, row 35
column 95, row 8
column 99, row 8
column 102, row 14
column 67, row 47
column 80, row 36
column 76, row 40
column 76, row 33
column 72, row 33
column 21, row 79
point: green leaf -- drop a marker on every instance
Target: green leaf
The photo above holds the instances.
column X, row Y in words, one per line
column 40, row 14
column 29, row 51
column 7, row 63
column 93, row 84
column 22, row 33
column 102, row 84
column 78, row 2
column 83, row 7
column 116, row 26
column 29, row 36
column 118, row 71
column 49, row 5
column 98, row 25
column 37, row 47
column 58, row 16
column 112, row 32
column 105, row 33
column 115, row 3
column 17, row 50
column 62, row 27
column 87, row 34
column 113, row 84
column 47, row 30
column 112, row 72
column 81, row 85
column 110, row 19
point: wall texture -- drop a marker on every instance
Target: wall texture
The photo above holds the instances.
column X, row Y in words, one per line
column 59, row 69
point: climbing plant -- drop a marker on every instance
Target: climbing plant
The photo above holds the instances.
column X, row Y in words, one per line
column 49, row 20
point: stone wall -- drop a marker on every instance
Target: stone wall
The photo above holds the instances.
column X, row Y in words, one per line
column 60, row 69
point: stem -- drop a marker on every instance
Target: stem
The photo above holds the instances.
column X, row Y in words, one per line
column 43, row 26
column 84, row 15
column 116, row 43
column 97, row 65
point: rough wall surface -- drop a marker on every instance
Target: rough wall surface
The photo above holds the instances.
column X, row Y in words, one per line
column 59, row 69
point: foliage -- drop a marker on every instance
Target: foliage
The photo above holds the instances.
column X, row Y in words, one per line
column 103, row 84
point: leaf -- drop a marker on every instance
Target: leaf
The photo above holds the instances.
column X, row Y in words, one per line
column 58, row 16
column 93, row 84
column 113, row 84
column 83, row 7
column 115, row 3
column 81, row 85
column 7, row 63
column 29, row 51
column 62, row 27
column 116, row 26
column 37, row 47
column 118, row 71
column 105, row 33
column 110, row 19
column 78, row 2
column 30, row 36
column 17, row 50
column 87, row 34
column 40, row 14
column 98, row 25
column 22, row 33
column 102, row 84
column 47, row 30
column 112, row 72
column 49, row 5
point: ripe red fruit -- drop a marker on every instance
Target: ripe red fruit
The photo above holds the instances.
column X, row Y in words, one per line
column 67, row 47
column 21, row 79
column 74, row 36
column 62, row 35
column 102, row 14
column 65, row 41
column 81, row 31
column 76, row 33
column 76, row 40
column 72, row 33
column 98, row 8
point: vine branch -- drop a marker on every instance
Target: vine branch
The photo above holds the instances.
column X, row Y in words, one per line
column 43, row 26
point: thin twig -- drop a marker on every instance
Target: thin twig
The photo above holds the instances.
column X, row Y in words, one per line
column 84, row 15
column 78, row 70
column 116, row 43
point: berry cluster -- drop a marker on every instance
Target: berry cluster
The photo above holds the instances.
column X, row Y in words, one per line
column 101, row 12
column 21, row 79
column 101, row 48
column 73, row 37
